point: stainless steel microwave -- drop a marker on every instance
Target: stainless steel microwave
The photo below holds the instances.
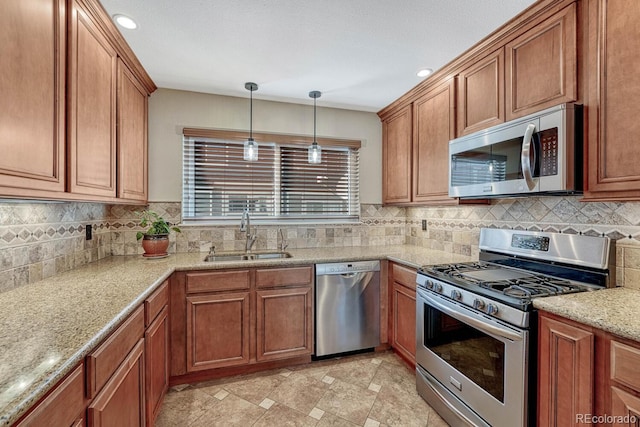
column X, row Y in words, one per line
column 539, row 153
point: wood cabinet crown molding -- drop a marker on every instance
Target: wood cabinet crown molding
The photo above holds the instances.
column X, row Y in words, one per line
column 541, row 9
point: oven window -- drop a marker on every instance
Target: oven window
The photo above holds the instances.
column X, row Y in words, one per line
column 478, row 356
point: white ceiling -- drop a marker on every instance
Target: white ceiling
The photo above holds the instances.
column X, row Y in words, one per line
column 361, row 54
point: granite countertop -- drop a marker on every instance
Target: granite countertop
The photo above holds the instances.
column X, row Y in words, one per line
column 48, row 327
column 613, row 310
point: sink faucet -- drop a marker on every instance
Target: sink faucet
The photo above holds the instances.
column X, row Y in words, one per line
column 245, row 225
column 283, row 242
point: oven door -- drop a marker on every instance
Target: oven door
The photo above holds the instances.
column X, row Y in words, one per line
column 478, row 361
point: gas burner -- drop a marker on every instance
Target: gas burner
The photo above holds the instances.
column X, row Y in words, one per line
column 534, row 286
column 456, row 270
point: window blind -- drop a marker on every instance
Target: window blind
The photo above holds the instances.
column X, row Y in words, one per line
column 219, row 184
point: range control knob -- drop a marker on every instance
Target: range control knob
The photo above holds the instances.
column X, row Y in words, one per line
column 456, row 295
column 429, row 284
column 478, row 304
column 492, row 309
column 437, row 287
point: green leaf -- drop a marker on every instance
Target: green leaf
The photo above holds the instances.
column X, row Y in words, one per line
column 139, row 235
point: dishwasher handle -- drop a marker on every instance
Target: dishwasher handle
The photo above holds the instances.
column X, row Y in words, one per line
column 342, row 268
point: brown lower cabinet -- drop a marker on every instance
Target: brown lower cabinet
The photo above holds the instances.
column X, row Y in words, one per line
column 283, row 323
column 121, row 401
column 239, row 317
column 402, row 314
column 586, row 376
column 565, row 373
column 63, row 406
column 122, row 381
column 217, row 330
column 156, row 350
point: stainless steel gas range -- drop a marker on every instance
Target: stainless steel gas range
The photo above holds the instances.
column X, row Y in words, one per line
column 476, row 328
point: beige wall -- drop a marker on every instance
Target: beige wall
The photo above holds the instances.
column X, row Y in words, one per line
column 171, row 110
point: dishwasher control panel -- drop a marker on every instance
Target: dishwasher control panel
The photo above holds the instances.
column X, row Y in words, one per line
column 347, row 267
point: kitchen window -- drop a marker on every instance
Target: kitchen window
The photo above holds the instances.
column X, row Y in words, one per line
column 281, row 186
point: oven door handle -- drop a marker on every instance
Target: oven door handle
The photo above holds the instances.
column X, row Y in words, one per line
column 470, row 320
column 525, row 156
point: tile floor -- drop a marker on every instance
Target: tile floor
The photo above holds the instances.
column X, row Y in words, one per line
column 370, row 390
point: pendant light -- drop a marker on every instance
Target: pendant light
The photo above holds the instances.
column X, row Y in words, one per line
column 250, row 145
column 315, row 152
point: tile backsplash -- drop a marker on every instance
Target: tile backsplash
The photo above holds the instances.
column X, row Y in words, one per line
column 457, row 228
column 378, row 226
column 38, row 240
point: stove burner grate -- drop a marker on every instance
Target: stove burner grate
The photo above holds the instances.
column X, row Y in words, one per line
column 525, row 288
column 534, row 286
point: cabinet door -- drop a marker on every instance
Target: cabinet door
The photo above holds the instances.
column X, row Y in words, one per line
column 284, row 323
column 541, row 65
column 403, row 321
column 613, row 109
column 156, row 340
column 132, row 136
column 92, row 108
column 63, row 406
column 32, row 88
column 121, row 401
column 625, row 406
column 433, row 128
column 396, row 157
column 481, row 94
column 217, row 330
column 566, row 373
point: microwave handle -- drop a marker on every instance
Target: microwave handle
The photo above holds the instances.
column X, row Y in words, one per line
column 525, row 160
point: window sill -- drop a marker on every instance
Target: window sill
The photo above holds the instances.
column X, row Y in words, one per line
column 270, row 222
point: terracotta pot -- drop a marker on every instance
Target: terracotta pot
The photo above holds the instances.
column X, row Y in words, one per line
column 155, row 245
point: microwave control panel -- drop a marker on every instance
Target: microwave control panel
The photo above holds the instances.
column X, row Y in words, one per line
column 548, row 152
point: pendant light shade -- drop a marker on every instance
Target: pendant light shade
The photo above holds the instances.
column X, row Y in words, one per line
column 250, row 145
column 315, row 152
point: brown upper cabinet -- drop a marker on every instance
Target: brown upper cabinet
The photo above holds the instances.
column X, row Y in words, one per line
column 527, row 65
column 132, row 136
column 32, row 107
column 397, row 132
column 73, row 115
column 433, row 127
column 481, row 94
column 93, row 67
column 541, row 65
column 613, row 93
column 415, row 149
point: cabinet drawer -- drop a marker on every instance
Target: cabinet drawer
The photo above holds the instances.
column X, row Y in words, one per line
column 212, row 281
column 403, row 275
column 155, row 303
column 624, row 364
column 103, row 361
column 294, row 276
column 62, row 406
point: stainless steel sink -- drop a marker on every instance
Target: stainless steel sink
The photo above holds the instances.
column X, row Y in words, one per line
column 241, row 256
column 269, row 255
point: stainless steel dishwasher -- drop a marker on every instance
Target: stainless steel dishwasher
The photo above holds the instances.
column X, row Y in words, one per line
column 347, row 307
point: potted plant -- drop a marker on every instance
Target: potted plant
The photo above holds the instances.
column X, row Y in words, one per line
column 155, row 240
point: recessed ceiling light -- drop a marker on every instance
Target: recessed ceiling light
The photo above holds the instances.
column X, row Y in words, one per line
column 424, row 72
column 125, row 22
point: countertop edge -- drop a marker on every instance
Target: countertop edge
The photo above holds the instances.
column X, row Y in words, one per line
column 602, row 309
